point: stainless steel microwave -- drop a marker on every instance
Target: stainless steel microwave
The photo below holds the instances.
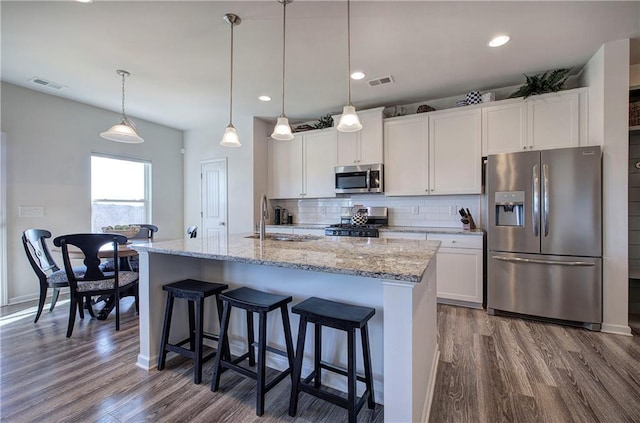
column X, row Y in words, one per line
column 359, row 179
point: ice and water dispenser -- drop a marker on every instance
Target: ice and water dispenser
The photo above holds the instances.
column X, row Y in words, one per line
column 509, row 208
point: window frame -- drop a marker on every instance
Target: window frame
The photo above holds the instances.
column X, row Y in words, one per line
column 147, row 201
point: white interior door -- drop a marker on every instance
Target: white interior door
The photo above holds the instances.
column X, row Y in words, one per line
column 214, row 200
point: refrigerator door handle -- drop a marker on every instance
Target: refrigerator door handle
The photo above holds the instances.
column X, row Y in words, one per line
column 534, row 261
column 545, row 188
column 535, row 210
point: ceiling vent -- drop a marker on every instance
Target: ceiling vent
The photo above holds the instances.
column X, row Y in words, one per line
column 45, row 83
column 381, row 81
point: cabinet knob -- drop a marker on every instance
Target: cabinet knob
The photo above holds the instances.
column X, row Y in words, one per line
column 221, row 223
column 524, row 148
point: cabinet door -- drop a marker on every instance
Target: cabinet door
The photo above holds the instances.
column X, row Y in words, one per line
column 371, row 143
column 455, row 157
column 403, row 235
column 554, row 121
column 347, row 154
column 364, row 146
column 459, row 275
column 504, row 128
column 285, row 168
column 406, row 156
column 319, row 163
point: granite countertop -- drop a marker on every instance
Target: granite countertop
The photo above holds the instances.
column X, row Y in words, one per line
column 395, row 259
column 414, row 229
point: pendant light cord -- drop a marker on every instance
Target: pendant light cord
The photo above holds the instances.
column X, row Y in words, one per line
column 231, row 84
column 284, row 29
column 124, row 116
column 349, row 52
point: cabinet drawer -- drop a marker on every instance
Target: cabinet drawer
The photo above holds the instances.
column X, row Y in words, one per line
column 457, row 241
column 403, row 235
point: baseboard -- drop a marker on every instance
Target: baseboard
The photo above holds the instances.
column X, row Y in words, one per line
column 146, row 363
column 36, row 297
column 459, row 303
column 616, row 329
column 426, row 411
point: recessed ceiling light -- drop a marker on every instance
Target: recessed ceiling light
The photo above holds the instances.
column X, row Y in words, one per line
column 358, row 75
column 264, row 98
column 499, row 40
column 84, row 1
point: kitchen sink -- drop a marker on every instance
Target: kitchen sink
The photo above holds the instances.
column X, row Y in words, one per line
column 285, row 237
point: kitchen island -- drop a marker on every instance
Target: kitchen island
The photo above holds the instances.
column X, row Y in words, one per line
column 397, row 277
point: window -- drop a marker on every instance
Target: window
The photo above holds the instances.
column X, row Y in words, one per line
column 120, row 192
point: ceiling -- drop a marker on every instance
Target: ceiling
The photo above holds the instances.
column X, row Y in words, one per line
column 178, row 51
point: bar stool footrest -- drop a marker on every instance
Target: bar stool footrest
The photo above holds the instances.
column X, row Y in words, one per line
column 271, row 349
column 340, row 371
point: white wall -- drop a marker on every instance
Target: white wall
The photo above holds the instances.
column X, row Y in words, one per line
column 607, row 75
column 49, row 145
column 204, row 144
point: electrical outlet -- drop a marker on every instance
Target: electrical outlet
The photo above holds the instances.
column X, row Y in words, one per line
column 323, row 210
column 31, row 211
column 415, row 210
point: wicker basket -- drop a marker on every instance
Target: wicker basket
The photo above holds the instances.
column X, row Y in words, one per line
column 634, row 114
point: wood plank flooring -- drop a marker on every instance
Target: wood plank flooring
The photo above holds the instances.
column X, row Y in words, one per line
column 500, row 369
column 492, row 369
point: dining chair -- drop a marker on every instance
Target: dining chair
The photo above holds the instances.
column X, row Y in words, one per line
column 48, row 272
column 94, row 281
column 192, row 231
column 146, row 233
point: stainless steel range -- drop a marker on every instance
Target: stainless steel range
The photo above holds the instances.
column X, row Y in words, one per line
column 376, row 217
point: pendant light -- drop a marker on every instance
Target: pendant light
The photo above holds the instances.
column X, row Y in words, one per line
column 125, row 131
column 282, row 130
column 230, row 137
column 349, row 121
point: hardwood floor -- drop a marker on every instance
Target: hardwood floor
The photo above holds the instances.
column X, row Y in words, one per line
column 491, row 369
column 92, row 377
column 495, row 369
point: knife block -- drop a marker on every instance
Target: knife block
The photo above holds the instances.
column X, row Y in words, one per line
column 471, row 225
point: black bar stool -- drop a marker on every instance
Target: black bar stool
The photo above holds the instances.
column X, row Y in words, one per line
column 344, row 317
column 194, row 292
column 254, row 302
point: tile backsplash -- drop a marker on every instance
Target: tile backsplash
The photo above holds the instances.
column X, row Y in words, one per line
column 426, row 211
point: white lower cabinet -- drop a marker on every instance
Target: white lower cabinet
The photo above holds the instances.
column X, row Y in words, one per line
column 459, row 269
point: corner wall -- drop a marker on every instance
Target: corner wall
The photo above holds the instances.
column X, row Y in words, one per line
column 49, row 142
column 607, row 75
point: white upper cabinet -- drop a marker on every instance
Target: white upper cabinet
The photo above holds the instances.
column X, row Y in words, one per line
column 555, row 120
column 364, row 146
column 541, row 122
column 285, row 168
column 319, row 162
column 406, row 155
column 504, row 128
column 455, row 158
column 304, row 166
column 434, row 154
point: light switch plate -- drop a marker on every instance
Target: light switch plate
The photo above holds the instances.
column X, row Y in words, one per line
column 31, row 211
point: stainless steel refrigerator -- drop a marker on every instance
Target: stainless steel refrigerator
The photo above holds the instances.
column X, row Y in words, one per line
column 544, row 234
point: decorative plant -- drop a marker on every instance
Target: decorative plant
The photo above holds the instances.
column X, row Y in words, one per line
column 547, row 82
column 325, row 122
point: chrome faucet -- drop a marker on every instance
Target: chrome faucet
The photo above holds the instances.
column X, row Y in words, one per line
column 264, row 214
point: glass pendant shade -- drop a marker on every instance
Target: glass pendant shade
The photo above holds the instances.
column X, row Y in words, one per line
column 230, row 137
column 125, row 131
column 122, row 133
column 349, row 121
column 282, row 130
